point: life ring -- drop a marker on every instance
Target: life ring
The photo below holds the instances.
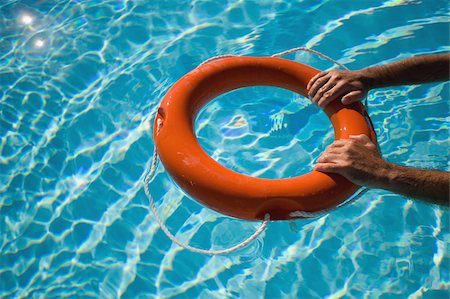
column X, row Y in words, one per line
column 227, row 191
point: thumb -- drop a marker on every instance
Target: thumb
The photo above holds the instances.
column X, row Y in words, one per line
column 365, row 141
column 362, row 138
column 352, row 97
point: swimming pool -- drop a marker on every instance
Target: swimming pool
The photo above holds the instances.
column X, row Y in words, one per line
column 79, row 82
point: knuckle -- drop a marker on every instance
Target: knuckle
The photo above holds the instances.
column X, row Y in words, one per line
column 347, row 146
column 336, row 74
column 347, row 163
column 351, row 143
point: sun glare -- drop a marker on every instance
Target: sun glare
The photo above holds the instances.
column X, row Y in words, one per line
column 39, row 43
column 26, row 19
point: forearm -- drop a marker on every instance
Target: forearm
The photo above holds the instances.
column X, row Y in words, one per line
column 432, row 186
column 415, row 70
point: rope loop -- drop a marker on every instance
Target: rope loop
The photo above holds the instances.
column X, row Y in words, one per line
column 149, row 176
column 293, row 50
column 215, row 58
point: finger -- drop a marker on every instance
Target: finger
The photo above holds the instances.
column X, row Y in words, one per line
column 362, row 138
column 314, row 79
column 336, row 91
column 338, row 143
column 329, row 157
column 333, row 148
column 365, row 140
column 318, row 84
column 327, row 167
column 325, row 88
column 352, row 97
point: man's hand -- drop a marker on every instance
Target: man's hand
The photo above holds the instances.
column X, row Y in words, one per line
column 356, row 158
column 326, row 87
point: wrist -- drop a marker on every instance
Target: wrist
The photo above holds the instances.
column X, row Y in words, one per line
column 385, row 175
column 367, row 78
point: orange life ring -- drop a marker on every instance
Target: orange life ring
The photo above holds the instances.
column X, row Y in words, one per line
column 227, row 191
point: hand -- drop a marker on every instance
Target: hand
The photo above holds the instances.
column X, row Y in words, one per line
column 326, row 87
column 357, row 159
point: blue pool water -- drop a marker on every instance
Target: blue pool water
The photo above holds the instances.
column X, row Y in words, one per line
column 79, row 81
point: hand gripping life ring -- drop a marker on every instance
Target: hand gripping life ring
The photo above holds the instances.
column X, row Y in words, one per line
column 227, row 191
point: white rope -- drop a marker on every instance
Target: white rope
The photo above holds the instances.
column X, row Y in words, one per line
column 310, row 51
column 147, row 180
column 305, row 214
column 215, row 58
column 293, row 50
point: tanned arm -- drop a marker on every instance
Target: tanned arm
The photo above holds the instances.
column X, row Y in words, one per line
column 414, row 70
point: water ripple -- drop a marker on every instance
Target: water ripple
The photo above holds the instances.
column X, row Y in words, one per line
column 79, row 84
